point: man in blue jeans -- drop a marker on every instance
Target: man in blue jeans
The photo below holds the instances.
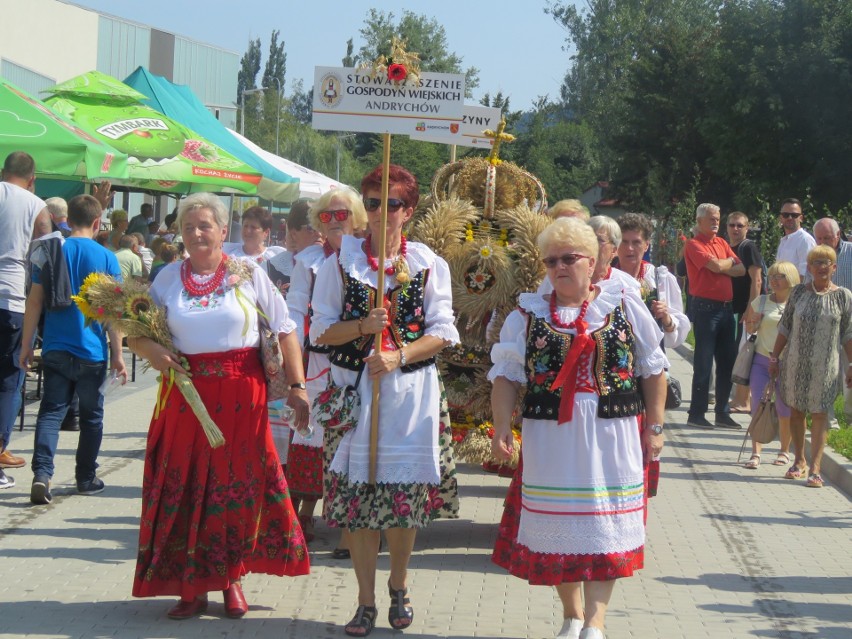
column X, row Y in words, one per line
column 74, row 356
column 710, row 264
column 23, row 216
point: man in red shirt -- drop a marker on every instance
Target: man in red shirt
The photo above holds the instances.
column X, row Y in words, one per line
column 710, row 264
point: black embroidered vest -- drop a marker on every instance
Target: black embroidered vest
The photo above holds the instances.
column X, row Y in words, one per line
column 612, row 368
column 406, row 312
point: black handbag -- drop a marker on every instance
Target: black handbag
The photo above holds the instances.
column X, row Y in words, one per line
column 674, row 396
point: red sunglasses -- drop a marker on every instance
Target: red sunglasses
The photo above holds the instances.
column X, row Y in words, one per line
column 340, row 215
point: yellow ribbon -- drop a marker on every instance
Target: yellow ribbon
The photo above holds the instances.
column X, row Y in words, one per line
column 161, row 402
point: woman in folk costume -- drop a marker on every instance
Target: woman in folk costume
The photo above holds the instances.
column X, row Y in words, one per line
column 211, row 515
column 413, row 423
column 337, row 213
column 588, row 355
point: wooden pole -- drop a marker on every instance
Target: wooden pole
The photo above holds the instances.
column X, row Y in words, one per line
column 380, row 303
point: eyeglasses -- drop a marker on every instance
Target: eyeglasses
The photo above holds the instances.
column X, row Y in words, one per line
column 778, row 276
column 340, row 215
column 569, row 259
column 373, row 203
column 734, row 225
column 821, row 263
column 790, row 216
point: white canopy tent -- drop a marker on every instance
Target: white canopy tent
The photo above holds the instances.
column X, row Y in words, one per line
column 311, row 183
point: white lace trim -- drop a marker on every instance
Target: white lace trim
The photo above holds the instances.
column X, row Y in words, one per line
column 447, row 332
column 397, row 465
column 354, row 261
column 652, row 364
column 582, row 535
column 312, row 257
column 608, row 298
column 508, row 363
column 509, row 370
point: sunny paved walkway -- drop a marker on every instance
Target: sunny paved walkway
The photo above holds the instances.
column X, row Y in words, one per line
column 731, row 553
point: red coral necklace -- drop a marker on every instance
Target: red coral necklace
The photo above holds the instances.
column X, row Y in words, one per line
column 554, row 315
column 200, row 290
column 374, row 263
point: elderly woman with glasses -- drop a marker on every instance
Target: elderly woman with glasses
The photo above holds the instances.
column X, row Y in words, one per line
column 814, row 327
column 588, row 355
column 608, row 235
column 337, row 213
column 414, row 482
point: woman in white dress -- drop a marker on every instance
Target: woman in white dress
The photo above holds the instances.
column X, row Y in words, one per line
column 589, row 355
column 337, row 213
column 414, row 327
column 209, row 516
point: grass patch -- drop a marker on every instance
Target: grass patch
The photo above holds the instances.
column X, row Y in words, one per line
column 690, row 339
column 841, row 440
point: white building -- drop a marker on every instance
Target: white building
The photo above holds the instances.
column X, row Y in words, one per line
column 44, row 42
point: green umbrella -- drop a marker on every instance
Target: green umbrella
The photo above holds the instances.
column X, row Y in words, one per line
column 59, row 147
column 164, row 155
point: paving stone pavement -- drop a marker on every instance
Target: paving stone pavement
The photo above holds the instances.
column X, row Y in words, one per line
column 731, row 553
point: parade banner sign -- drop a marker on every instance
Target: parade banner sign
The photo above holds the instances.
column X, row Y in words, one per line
column 474, row 121
column 348, row 99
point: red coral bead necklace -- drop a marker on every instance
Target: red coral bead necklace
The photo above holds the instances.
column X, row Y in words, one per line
column 374, row 263
column 200, row 290
column 554, row 313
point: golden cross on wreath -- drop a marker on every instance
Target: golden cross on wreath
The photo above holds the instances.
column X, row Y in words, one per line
column 499, row 136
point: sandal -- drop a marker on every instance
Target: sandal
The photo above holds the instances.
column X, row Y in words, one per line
column 782, row 460
column 794, row 472
column 753, row 462
column 815, row 481
column 341, row 553
column 362, row 623
column 401, row 614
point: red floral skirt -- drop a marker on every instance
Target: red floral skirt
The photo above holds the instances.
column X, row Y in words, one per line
column 304, row 471
column 549, row 569
column 209, row 516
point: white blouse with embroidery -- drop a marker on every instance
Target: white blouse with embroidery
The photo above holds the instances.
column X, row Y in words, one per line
column 409, row 405
column 220, row 321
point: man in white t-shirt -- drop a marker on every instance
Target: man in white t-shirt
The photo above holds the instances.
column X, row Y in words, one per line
column 797, row 242
column 23, row 217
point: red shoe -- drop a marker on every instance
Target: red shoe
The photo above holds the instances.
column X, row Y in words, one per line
column 188, row 609
column 235, row 602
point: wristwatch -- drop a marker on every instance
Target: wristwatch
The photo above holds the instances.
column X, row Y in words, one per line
column 657, row 429
column 401, row 358
column 298, row 385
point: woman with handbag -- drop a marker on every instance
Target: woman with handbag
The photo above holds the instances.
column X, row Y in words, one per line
column 416, row 324
column 211, row 515
column 337, row 213
column 573, row 517
column 816, row 324
column 782, row 277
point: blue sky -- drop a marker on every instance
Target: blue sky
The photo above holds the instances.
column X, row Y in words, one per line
column 516, row 47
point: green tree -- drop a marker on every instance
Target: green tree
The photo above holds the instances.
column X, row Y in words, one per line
column 423, row 35
column 276, row 64
column 249, row 68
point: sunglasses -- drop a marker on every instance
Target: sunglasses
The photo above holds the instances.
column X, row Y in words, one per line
column 569, row 259
column 373, row 203
column 791, row 216
column 340, row 215
column 734, row 225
